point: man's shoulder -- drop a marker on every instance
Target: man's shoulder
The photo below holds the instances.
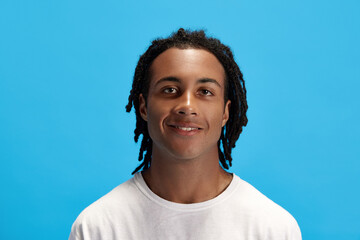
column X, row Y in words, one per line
column 261, row 210
column 115, row 201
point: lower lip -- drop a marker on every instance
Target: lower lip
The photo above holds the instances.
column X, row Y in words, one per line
column 183, row 132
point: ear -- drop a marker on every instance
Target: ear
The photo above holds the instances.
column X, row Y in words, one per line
column 226, row 113
column 142, row 107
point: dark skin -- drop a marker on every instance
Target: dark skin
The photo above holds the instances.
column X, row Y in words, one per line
column 185, row 112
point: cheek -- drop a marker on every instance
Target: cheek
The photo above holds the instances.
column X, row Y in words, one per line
column 216, row 121
column 155, row 120
column 155, row 111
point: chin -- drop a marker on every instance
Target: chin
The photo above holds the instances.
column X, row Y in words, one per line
column 185, row 153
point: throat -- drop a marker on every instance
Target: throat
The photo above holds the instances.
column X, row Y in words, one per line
column 187, row 188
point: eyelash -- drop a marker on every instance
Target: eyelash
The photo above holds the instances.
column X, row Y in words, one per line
column 208, row 92
column 166, row 90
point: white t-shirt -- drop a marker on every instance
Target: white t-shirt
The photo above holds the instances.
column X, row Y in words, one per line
column 133, row 211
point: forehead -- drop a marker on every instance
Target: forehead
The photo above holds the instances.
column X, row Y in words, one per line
column 187, row 64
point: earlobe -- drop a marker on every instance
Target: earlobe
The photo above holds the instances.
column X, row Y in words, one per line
column 226, row 113
column 142, row 107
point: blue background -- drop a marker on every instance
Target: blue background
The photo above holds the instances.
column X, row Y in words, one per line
column 65, row 74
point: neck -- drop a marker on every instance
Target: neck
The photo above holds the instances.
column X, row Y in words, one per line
column 186, row 181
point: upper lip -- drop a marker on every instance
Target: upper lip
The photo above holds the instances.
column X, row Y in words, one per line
column 184, row 125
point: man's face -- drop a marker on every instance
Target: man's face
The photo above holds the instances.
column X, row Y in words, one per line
column 185, row 108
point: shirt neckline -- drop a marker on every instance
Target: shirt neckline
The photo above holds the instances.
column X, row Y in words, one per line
column 141, row 184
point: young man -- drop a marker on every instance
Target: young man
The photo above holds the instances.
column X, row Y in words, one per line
column 189, row 97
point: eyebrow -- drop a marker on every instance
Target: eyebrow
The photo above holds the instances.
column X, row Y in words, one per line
column 175, row 79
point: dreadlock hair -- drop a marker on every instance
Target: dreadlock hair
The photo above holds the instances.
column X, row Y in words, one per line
column 235, row 91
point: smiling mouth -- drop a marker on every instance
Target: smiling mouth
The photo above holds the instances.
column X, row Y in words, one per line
column 185, row 128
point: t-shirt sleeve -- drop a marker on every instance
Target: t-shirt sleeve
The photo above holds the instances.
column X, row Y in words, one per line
column 74, row 234
column 87, row 227
column 295, row 232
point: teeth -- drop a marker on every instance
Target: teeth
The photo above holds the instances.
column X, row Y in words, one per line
column 186, row 129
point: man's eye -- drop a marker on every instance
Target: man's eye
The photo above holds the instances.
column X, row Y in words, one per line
column 206, row 92
column 169, row 90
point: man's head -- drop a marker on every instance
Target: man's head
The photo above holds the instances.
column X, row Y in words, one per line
column 234, row 90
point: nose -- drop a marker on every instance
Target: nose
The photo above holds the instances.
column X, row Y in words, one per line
column 186, row 105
